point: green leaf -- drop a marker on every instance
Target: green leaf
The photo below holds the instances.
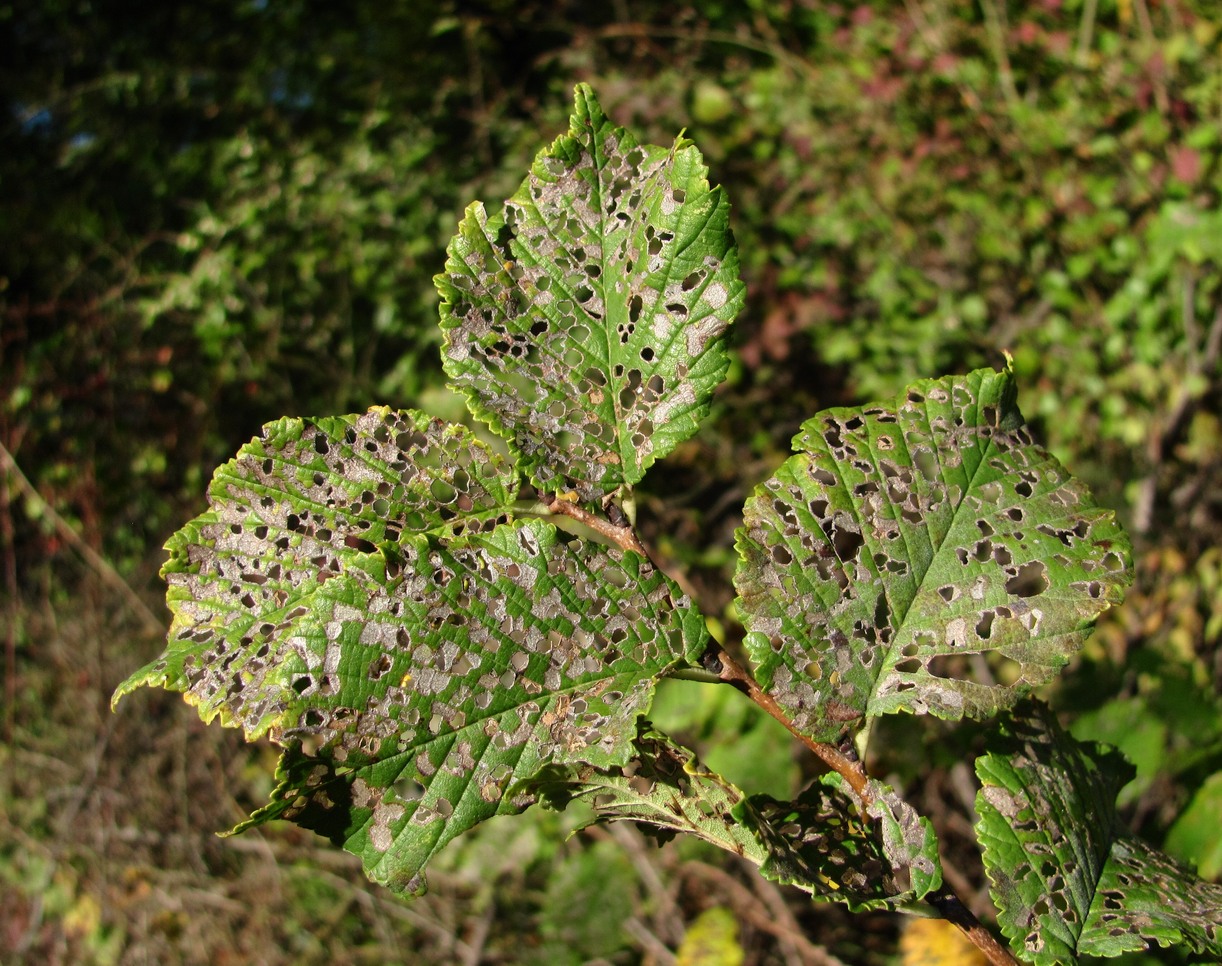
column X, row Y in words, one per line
column 911, row 543
column 361, row 592
column 882, row 855
column 584, row 322
column 664, row 786
column 1068, row 878
column 827, row 843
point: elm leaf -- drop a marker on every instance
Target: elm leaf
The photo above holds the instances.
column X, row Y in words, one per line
column 584, row 322
column 664, row 788
column 910, row 544
column 830, row 844
column 363, row 592
column 827, row 843
column 1067, row 876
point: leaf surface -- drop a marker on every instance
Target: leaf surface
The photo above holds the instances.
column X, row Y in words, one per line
column 882, row 856
column 909, row 544
column 584, row 322
column 825, row 843
column 1068, row 878
column 361, row 592
column 664, row 787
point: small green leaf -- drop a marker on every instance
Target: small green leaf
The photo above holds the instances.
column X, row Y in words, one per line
column 584, row 323
column 361, row 592
column 911, row 543
column 1068, row 878
column 827, row 844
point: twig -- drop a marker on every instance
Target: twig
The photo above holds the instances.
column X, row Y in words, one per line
column 668, row 920
column 643, row 31
column 623, row 537
column 771, row 897
column 954, row 911
column 752, row 908
column 995, row 27
column 1161, row 441
column 658, row 950
column 479, row 934
column 1161, row 100
column 731, row 672
column 100, row 565
column 947, row 902
column 1086, row 32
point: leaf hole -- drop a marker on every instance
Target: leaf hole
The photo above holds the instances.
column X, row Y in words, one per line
column 1031, row 580
column 846, row 542
column 408, row 789
column 353, row 542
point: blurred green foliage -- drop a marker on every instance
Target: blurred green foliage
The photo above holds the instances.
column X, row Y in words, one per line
column 218, row 213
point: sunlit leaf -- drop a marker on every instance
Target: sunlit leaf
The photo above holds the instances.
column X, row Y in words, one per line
column 361, row 592
column 921, row 555
column 584, row 322
column 1068, row 878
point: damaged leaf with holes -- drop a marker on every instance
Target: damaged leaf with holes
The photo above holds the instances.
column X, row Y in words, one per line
column 363, row 591
column 827, row 843
column 664, row 787
column 921, row 555
column 837, row 848
column 1068, row 877
column 585, row 321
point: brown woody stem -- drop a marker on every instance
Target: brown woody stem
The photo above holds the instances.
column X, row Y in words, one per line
column 623, row 537
column 947, row 903
column 954, row 911
column 718, row 661
column 734, row 674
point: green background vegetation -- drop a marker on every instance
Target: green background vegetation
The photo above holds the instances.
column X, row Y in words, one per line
column 213, row 214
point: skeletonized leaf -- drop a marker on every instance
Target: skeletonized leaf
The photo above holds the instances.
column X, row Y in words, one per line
column 1068, row 878
column 911, row 543
column 825, row 843
column 361, row 592
column 584, row 322
column 664, row 787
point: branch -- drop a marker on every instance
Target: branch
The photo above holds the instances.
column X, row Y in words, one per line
column 946, row 902
column 954, row 911
column 100, row 565
column 731, row 672
column 623, row 536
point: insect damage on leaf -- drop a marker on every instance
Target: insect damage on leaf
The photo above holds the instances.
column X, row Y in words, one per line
column 361, row 588
column 585, row 321
column 664, row 787
column 827, row 844
column 911, row 546
column 1068, row 877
